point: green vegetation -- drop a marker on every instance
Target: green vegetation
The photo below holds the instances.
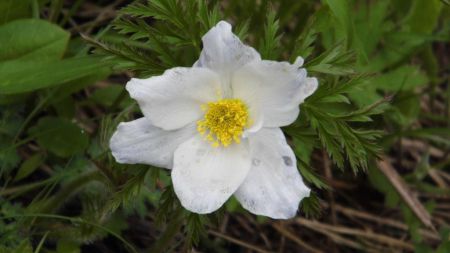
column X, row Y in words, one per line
column 372, row 141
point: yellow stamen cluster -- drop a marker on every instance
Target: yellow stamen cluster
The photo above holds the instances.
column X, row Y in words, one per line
column 224, row 121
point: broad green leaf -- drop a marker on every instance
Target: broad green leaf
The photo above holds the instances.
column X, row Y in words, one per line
column 30, row 57
column 65, row 107
column 370, row 23
column 341, row 10
column 14, row 9
column 29, row 166
column 60, row 136
column 9, row 158
column 32, row 40
column 398, row 47
column 406, row 77
column 417, row 30
column 23, row 76
column 80, row 83
column 423, row 19
column 405, row 109
column 424, row 15
column 13, row 99
column 106, row 96
column 67, row 246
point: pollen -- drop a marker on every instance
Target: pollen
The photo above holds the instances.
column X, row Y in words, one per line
column 224, row 121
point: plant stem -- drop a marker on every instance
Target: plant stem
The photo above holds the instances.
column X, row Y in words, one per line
column 171, row 230
column 69, row 189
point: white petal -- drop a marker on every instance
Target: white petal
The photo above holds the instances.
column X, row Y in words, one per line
column 306, row 90
column 273, row 186
column 223, row 52
column 299, row 61
column 204, row 177
column 139, row 141
column 173, row 99
column 273, row 91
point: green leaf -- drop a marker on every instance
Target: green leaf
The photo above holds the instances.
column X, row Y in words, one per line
column 304, row 45
column 108, row 95
column 60, row 136
column 424, row 15
column 80, row 83
column 195, row 228
column 341, row 10
column 311, row 206
column 398, row 47
column 67, row 246
column 334, row 61
column 30, row 57
column 13, row 9
column 406, row 77
column 29, row 166
column 381, row 183
column 9, row 158
column 335, row 98
column 269, row 45
column 310, row 176
column 406, row 109
column 208, row 16
column 23, row 247
column 24, row 76
column 32, row 40
column 65, row 107
column 370, row 23
column 343, row 13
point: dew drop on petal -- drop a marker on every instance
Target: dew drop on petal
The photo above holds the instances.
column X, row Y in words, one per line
column 287, row 160
column 256, row 162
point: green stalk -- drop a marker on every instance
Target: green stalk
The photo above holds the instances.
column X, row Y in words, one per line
column 35, row 9
column 24, row 188
column 55, row 10
column 69, row 189
column 172, row 229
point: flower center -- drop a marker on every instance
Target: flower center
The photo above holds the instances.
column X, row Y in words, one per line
column 224, row 121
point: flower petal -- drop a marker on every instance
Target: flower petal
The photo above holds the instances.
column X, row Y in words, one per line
column 224, row 53
column 139, row 141
column 273, row 90
column 173, row 99
column 204, row 177
column 299, row 61
column 273, row 186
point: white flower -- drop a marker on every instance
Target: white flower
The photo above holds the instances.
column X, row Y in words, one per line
column 217, row 124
